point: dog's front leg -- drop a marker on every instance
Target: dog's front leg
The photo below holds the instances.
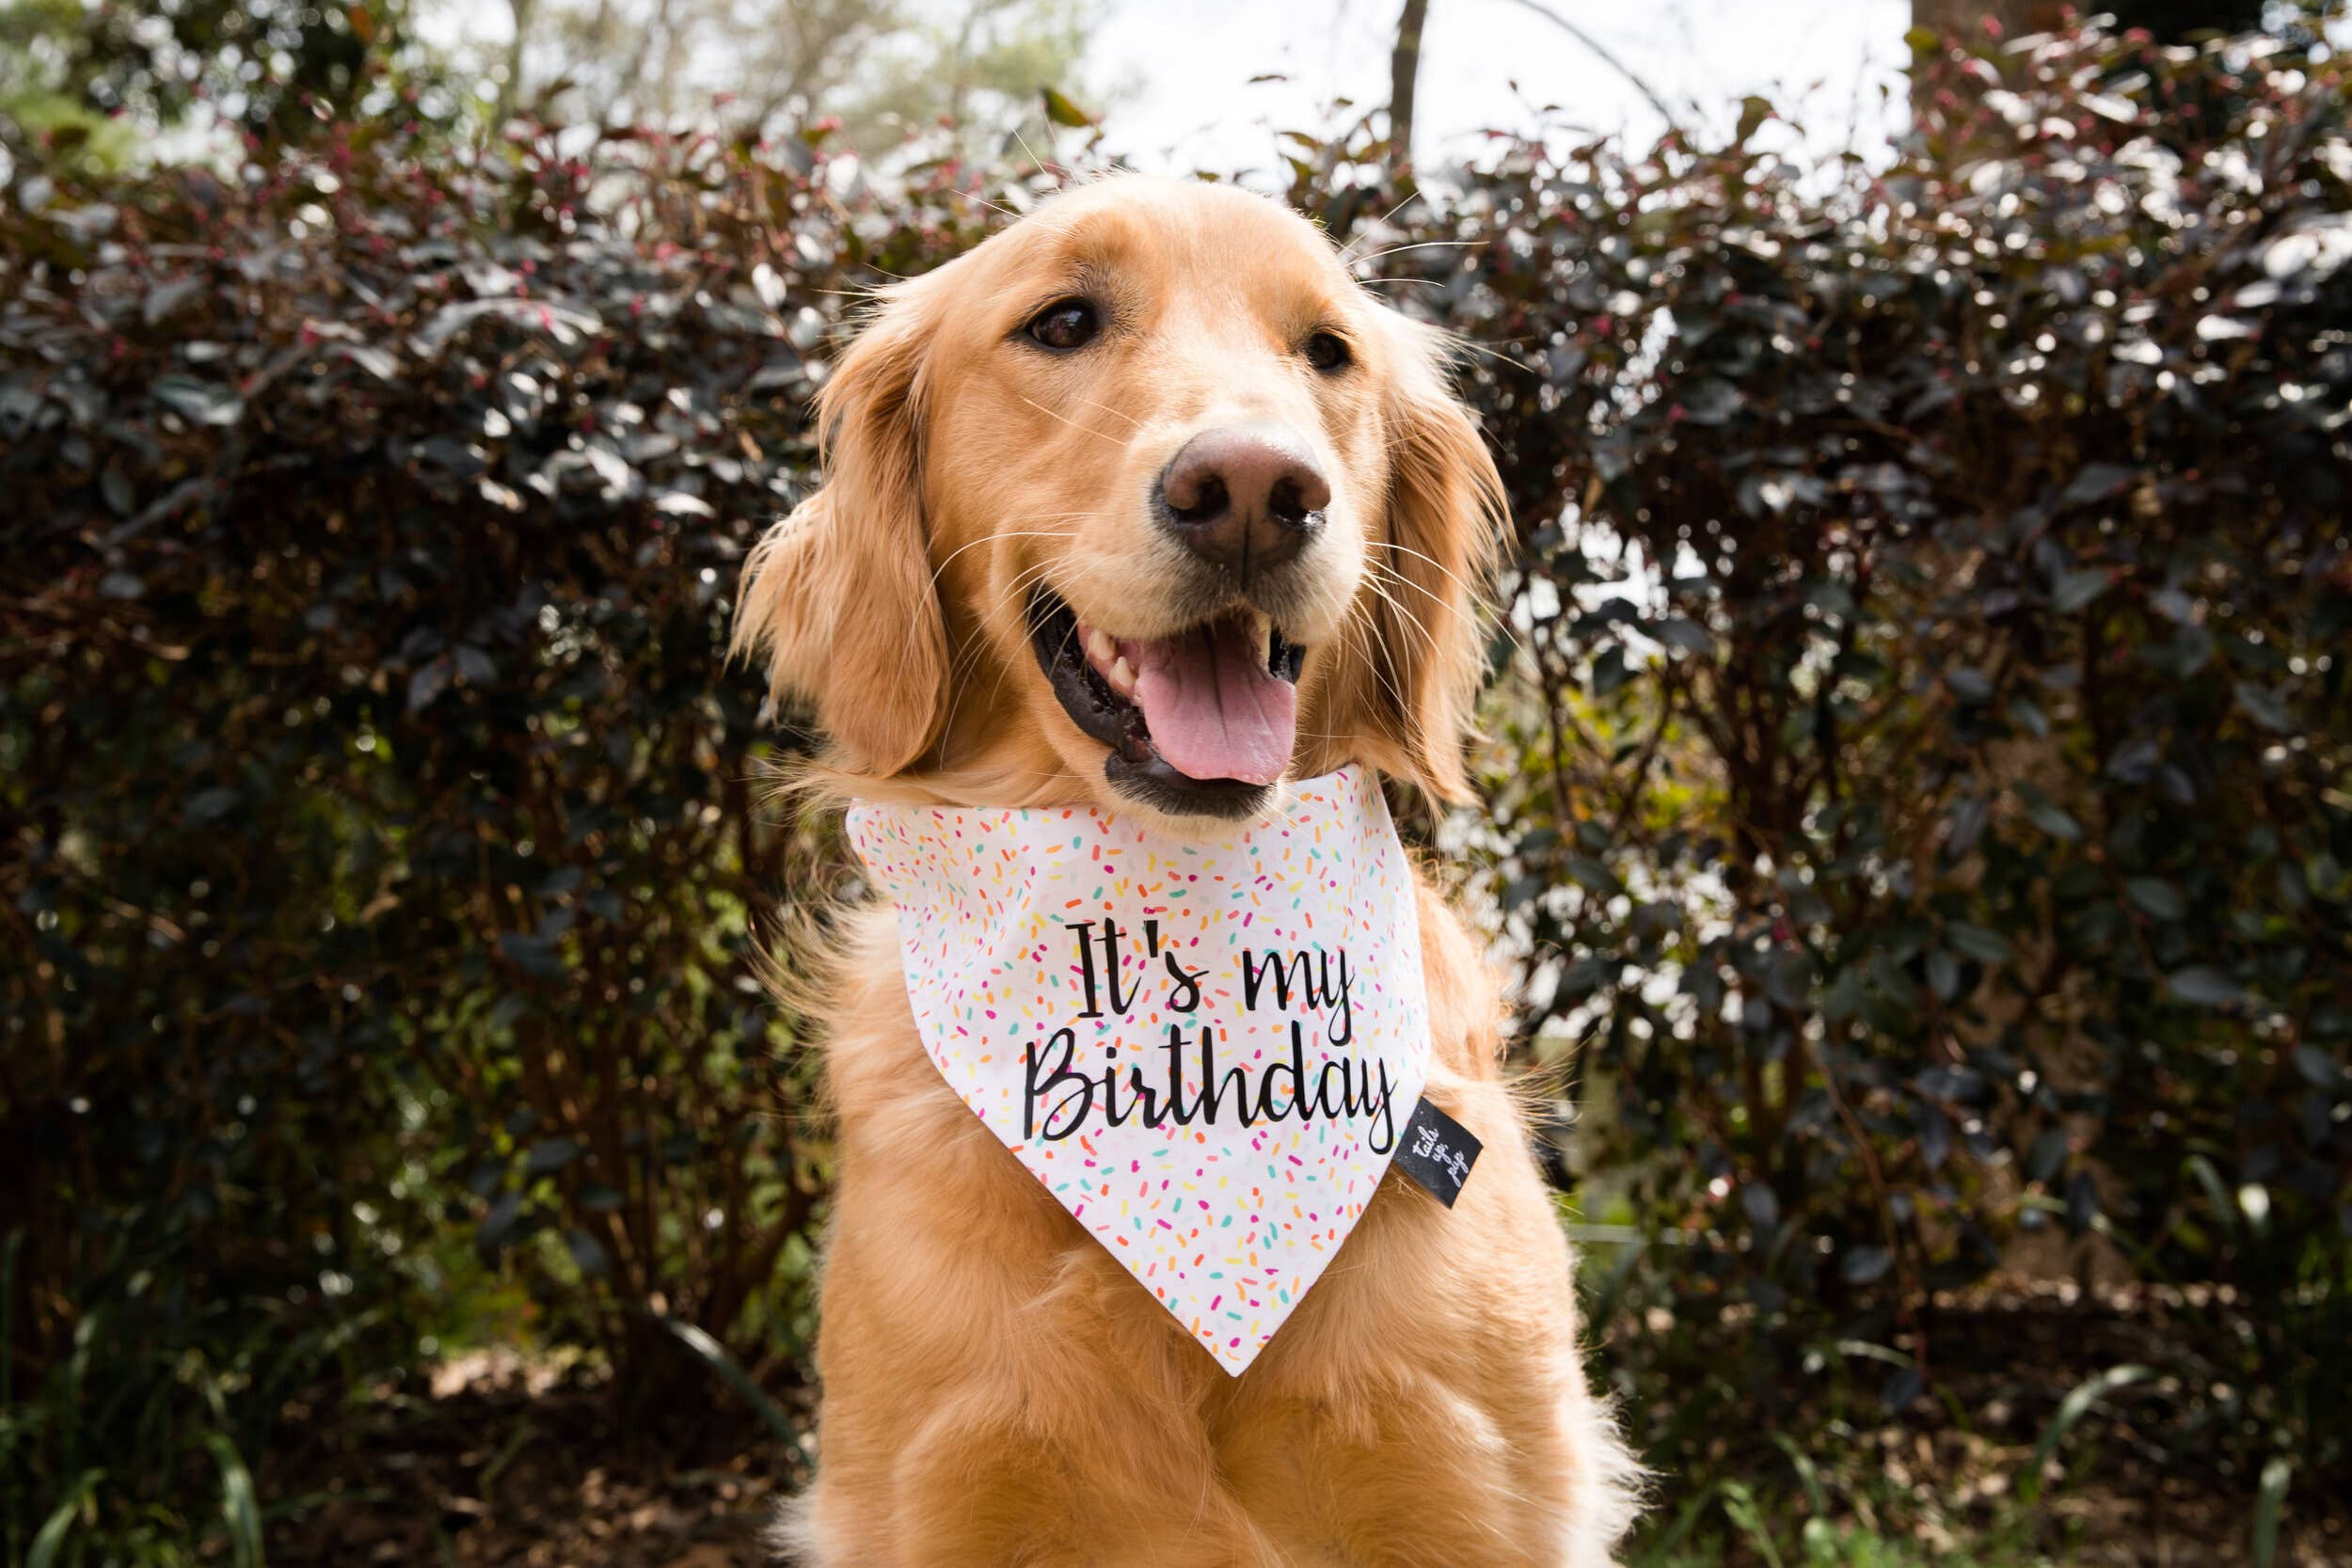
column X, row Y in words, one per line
column 980, row 1487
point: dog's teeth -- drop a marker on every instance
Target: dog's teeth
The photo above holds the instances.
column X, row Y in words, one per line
column 1100, row 647
column 1123, row 676
column 1263, row 625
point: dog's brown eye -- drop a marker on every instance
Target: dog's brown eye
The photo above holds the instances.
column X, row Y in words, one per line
column 1325, row 352
column 1066, row 324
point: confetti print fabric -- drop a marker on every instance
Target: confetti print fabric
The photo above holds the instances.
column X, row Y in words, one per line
column 1204, row 1048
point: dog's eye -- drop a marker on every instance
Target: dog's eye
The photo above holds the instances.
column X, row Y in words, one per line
column 1327, row 352
column 1066, row 324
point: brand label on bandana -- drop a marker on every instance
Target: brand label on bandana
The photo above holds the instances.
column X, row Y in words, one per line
column 1438, row 1153
column 1206, row 1050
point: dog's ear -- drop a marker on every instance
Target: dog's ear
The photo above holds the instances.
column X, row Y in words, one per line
column 1408, row 702
column 839, row 598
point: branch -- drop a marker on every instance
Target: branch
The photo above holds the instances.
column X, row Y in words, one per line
column 1601, row 52
column 1403, row 74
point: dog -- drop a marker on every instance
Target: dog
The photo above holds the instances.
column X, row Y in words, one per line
column 1153, row 435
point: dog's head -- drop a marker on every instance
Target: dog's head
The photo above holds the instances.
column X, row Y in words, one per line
column 1145, row 500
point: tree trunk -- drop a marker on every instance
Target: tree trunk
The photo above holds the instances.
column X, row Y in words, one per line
column 510, row 90
column 1404, row 71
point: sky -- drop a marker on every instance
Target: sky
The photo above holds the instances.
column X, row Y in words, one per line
column 1487, row 64
column 1188, row 101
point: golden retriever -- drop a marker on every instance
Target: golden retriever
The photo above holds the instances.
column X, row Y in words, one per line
column 1145, row 501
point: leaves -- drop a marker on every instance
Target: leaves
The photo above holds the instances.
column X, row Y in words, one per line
column 2203, row 986
column 1866, row 1265
column 2077, row 590
column 2155, row 897
column 1979, row 944
column 2269, row 1501
column 552, row 1154
column 1061, row 111
column 1919, row 660
column 241, row 1508
column 714, row 1356
column 204, row 401
column 2071, row 1410
column 497, row 1228
column 51, row 1537
column 2267, row 707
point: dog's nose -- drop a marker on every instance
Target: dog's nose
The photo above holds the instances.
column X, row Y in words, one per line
column 1244, row 496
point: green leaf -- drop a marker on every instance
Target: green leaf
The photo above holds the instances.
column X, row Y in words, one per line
column 1979, row 944
column 2156, row 898
column 1943, row 975
column 1740, row 1507
column 8, row 1317
column 2078, row 588
column 1684, row 633
column 2203, row 986
column 2266, row 706
column 588, row 1253
column 2269, row 1499
column 1865, row 1264
column 204, row 401
column 2051, row 818
column 497, row 1228
column 2071, row 1410
column 1754, row 111
column 1061, row 111
column 51, row 1538
column 1594, row 876
column 2318, row 1068
column 534, row 955
column 714, row 1356
column 2201, row 1171
column 552, row 1154
column 239, row 1507
column 599, row 1197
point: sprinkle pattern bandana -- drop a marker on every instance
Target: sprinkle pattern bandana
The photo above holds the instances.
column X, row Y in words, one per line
column 1205, row 1049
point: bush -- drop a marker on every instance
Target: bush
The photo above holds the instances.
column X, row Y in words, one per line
column 385, row 839
column 1921, row 800
column 1917, row 806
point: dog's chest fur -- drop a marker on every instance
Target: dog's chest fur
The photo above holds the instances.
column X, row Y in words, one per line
column 998, row 1389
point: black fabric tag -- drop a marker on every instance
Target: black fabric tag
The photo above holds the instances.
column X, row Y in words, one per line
column 1437, row 1151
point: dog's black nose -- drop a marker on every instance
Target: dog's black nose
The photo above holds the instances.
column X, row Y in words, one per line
column 1245, row 496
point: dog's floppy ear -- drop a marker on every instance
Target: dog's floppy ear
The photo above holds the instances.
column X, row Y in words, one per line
column 839, row 597
column 1408, row 702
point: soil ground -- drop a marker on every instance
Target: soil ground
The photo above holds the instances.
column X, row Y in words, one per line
column 505, row 1464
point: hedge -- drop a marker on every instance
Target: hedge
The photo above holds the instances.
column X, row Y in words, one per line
column 1915, row 809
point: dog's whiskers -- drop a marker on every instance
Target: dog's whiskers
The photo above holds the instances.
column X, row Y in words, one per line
column 1083, row 430
column 1133, row 422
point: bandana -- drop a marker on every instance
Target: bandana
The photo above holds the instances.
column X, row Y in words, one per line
column 1207, row 1050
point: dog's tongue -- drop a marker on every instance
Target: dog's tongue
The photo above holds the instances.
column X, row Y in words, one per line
column 1214, row 708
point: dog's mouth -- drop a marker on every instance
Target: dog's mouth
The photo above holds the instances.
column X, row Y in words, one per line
column 1200, row 723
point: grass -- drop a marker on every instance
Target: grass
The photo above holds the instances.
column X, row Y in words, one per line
column 1733, row 1523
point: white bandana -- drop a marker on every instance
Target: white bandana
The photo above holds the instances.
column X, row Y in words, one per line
column 1206, row 1051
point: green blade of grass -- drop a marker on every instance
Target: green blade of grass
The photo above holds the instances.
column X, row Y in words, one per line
column 8, row 1317
column 2268, row 1501
column 1807, row 1472
column 2071, row 1410
column 1740, row 1507
column 51, row 1538
column 714, row 1356
column 2218, row 1194
column 239, row 1506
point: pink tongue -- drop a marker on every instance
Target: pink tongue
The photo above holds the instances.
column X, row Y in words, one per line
column 1214, row 710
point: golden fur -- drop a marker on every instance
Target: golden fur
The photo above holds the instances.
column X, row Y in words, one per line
column 997, row 1389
